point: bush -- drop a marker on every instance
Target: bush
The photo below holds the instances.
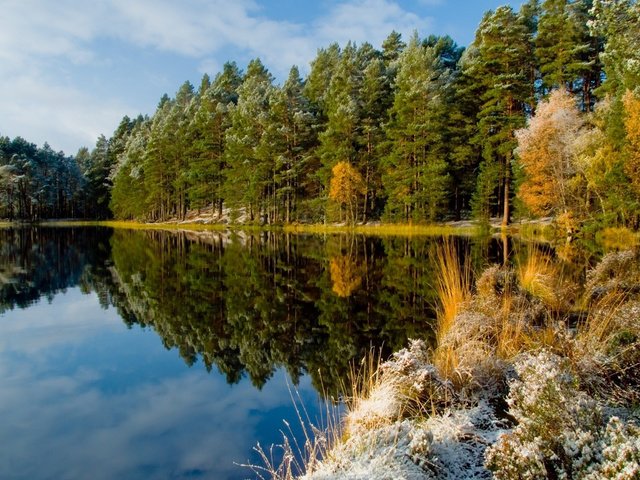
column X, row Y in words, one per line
column 560, row 432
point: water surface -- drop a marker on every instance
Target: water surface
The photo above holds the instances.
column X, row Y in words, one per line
column 149, row 354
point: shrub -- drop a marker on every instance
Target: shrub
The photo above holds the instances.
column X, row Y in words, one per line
column 560, row 432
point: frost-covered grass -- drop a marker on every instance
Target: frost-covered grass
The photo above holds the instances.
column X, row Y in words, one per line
column 512, row 390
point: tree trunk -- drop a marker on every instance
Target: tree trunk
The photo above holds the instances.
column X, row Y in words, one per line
column 507, row 181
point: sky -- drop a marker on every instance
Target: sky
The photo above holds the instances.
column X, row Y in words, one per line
column 71, row 69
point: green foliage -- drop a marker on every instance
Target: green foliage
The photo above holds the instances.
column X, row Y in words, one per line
column 38, row 183
column 429, row 127
column 415, row 175
column 502, row 63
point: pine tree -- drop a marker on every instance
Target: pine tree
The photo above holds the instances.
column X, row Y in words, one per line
column 376, row 98
column 502, row 65
column 247, row 177
column 289, row 138
column 415, row 176
column 618, row 23
column 566, row 50
column 129, row 194
column 209, row 125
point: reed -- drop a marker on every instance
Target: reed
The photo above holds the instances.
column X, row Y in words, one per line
column 453, row 286
column 538, row 276
column 295, row 458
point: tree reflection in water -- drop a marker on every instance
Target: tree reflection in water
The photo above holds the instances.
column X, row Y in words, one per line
column 246, row 304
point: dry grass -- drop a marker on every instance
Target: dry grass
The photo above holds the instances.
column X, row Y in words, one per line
column 299, row 459
column 538, row 276
column 367, row 229
column 391, row 229
column 453, row 285
column 131, row 225
column 602, row 324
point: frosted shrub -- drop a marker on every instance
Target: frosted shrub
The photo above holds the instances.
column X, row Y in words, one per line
column 616, row 271
column 620, row 455
column 560, row 432
column 416, row 379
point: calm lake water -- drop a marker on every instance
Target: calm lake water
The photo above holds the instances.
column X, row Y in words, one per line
column 148, row 354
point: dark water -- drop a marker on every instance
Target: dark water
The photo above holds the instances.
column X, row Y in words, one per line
column 148, row 354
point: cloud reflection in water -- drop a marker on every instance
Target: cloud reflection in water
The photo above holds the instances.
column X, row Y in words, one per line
column 83, row 397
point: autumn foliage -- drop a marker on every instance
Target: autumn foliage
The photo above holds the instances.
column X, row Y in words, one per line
column 632, row 128
column 546, row 153
column 346, row 187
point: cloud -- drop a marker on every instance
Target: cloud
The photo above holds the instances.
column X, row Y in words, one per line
column 69, row 320
column 193, row 422
column 368, row 20
column 53, row 54
column 44, row 109
column 83, row 396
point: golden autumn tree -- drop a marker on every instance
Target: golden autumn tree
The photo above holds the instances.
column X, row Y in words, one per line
column 346, row 187
column 546, row 154
column 632, row 149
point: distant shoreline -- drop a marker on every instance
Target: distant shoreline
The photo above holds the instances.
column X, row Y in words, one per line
column 464, row 227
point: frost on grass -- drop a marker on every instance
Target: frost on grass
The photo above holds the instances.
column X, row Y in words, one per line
column 407, row 385
column 477, row 407
column 560, row 432
column 410, row 428
column 619, row 271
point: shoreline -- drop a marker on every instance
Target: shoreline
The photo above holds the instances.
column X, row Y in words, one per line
column 461, row 228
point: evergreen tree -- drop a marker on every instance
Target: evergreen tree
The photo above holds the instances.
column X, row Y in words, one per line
column 248, row 173
column 289, row 139
column 416, row 171
column 502, row 66
column 566, row 51
column 129, row 194
column 618, row 23
column 209, row 125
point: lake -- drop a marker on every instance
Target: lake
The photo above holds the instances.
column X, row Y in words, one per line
column 153, row 354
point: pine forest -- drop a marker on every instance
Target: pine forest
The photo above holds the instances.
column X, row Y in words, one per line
column 538, row 117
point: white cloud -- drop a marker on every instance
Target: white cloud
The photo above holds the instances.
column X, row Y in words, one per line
column 368, row 20
column 116, row 412
column 67, row 117
column 44, row 46
column 30, row 332
column 192, row 422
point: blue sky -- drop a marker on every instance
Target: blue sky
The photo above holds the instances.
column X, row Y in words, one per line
column 71, row 69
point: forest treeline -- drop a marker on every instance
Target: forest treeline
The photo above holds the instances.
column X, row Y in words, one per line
column 416, row 131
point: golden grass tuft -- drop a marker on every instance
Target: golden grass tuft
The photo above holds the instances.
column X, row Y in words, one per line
column 453, row 285
column 602, row 323
column 538, row 276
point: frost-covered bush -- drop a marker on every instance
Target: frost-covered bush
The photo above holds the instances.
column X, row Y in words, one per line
column 619, row 271
column 405, row 385
column 560, row 432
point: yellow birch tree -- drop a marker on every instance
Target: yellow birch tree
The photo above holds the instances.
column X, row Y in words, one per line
column 346, row 188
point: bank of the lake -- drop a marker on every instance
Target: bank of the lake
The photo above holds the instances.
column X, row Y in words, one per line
column 514, row 387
